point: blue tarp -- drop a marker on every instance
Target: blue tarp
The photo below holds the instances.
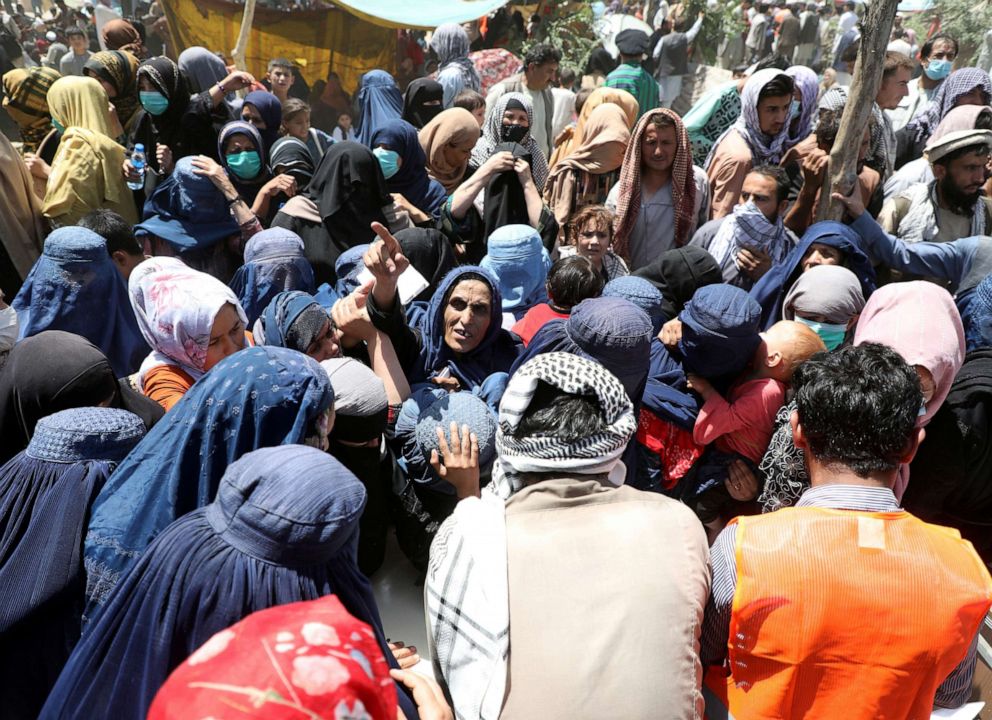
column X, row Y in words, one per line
column 423, row 14
column 915, row 5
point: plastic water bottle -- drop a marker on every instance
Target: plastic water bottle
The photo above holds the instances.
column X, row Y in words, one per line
column 138, row 162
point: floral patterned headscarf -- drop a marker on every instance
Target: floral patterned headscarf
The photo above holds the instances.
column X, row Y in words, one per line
column 175, row 307
column 306, row 659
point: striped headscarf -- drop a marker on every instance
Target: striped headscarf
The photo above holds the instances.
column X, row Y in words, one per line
column 809, row 87
column 683, row 183
column 958, row 83
column 492, row 132
column 764, row 150
column 597, row 454
column 120, row 69
column 26, row 101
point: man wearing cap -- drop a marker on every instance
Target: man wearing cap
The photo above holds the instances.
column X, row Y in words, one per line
column 630, row 76
column 845, row 606
column 952, row 206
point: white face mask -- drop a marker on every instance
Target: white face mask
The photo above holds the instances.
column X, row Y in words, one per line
column 9, row 328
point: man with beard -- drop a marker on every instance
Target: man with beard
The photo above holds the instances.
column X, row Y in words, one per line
column 750, row 240
column 952, row 206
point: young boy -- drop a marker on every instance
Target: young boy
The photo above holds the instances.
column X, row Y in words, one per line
column 738, row 429
column 570, row 281
column 280, row 77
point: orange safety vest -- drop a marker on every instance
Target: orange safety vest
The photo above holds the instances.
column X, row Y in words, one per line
column 841, row 614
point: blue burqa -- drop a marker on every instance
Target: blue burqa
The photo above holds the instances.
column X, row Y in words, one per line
column 255, row 398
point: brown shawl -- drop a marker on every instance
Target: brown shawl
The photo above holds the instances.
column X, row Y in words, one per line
column 455, row 126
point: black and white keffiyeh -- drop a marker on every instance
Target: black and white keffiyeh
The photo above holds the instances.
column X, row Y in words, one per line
column 575, row 375
column 466, row 594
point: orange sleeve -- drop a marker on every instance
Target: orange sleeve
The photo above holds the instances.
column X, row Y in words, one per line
column 166, row 385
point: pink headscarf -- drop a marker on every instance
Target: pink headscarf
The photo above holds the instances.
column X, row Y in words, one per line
column 920, row 321
column 959, row 118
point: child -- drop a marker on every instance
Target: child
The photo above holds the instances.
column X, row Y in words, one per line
column 296, row 123
column 589, row 233
column 570, row 281
column 343, row 129
column 474, row 102
column 739, row 428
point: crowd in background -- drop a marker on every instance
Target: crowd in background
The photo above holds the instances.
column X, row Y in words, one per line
column 658, row 439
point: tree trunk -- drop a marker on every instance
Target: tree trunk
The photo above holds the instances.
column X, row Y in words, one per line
column 842, row 172
column 242, row 45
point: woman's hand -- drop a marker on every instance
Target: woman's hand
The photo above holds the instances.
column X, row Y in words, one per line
column 237, row 80
column 202, row 165
column 671, row 333
column 742, row 483
column 754, row 262
column 386, row 261
column 406, row 657
column 427, row 694
column 351, row 317
column 498, row 163
column 285, row 184
column 458, row 463
column 163, row 154
column 417, row 215
column 37, row 167
column 522, row 168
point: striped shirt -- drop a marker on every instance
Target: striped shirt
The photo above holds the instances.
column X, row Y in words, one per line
column 638, row 82
column 953, row 692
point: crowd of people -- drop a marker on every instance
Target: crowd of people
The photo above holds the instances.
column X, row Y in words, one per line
column 659, row 442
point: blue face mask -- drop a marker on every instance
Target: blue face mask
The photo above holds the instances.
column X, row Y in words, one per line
column 58, row 126
column 153, row 101
column 795, row 110
column 246, row 165
column 389, row 161
column 831, row 335
column 938, row 69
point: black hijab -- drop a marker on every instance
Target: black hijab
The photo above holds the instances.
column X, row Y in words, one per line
column 56, row 370
column 418, row 92
column 169, row 80
column 678, row 274
column 349, row 191
column 951, row 471
column 430, row 253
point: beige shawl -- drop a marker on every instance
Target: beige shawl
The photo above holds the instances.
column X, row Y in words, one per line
column 567, row 141
column 455, row 126
column 22, row 229
column 607, row 136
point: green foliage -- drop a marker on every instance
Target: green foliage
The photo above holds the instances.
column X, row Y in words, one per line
column 569, row 28
column 965, row 20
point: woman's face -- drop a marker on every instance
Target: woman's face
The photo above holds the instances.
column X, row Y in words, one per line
column 146, row 85
column 456, row 155
column 344, row 121
column 226, row 337
column 516, row 117
column 111, row 90
column 820, row 254
column 250, row 114
column 327, row 344
column 238, row 143
column 593, row 242
column 467, row 315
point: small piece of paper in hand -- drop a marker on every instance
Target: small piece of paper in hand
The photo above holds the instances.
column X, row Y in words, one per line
column 409, row 285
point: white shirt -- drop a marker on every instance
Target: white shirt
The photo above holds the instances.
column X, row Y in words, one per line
column 564, row 110
column 847, row 21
